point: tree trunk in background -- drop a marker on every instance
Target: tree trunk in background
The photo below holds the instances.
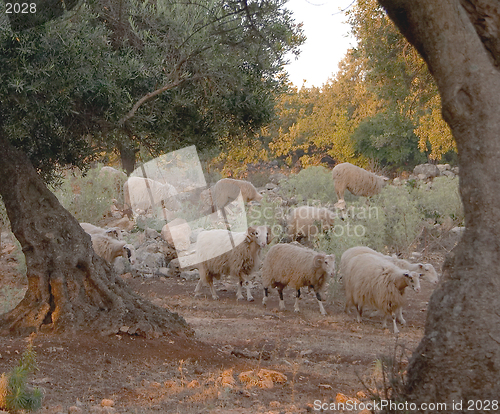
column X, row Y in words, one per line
column 459, row 356
column 127, row 155
column 69, row 286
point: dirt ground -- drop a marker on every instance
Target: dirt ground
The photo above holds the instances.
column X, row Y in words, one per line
column 321, row 356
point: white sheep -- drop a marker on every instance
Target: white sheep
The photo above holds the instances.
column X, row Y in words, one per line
column 177, row 233
column 290, row 265
column 304, row 221
column 426, row 270
column 220, row 252
column 227, row 190
column 357, row 180
column 114, row 232
column 371, row 280
column 109, row 249
column 141, row 194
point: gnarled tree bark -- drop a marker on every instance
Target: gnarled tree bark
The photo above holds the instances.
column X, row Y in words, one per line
column 459, row 356
column 70, row 288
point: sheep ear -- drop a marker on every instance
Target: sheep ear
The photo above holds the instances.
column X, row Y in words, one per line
column 319, row 260
column 251, row 230
column 270, row 235
column 420, row 266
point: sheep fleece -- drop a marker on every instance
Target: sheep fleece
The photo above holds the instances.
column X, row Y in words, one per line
column 227, row 190
column 357, row 180
column 373, row 281
column 293, row 266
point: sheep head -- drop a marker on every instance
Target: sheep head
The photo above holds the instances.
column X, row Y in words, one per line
column 327, row 263
column 258, row 234
column 414, row 281
column 428, row 272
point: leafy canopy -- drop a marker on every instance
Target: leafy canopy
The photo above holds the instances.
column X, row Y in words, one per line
column 162, row 73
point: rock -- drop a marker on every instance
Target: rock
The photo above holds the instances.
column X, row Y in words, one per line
column 454, row 170
column 194, row 234
column 190, row 275
column 448, row 174
column 458, row 230
column 270, row 186
column 427, row 170
column 443, row 167
column 166, row 272
column 276, row 178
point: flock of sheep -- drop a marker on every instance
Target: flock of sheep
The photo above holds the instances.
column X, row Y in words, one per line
column 370, row 279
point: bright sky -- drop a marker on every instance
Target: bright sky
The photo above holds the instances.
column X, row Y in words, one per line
column 327, row 40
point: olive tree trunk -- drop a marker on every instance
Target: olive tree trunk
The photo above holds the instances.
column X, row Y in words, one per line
column 459, row 356
column 69, row 287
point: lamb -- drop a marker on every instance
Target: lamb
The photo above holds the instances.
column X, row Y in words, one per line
column 357, row 180
column 290, row 265
column 371, row 280
column 221, row 252
column 227, row 190
column 177, row 233
column 143, row 193
column 304, row 220
column 426, row 270
column 113, row 232
column 109, row 249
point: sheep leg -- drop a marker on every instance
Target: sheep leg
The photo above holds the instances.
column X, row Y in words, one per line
column 282, row 302
column 297, row 297
column 264, row 299
column 360, row 313
column 396, row 330
column 203, row 278
column 321, row 307
column 198, row 288
column 249, row 292
column 239, row 293
column 212, row 290
column 399, row 316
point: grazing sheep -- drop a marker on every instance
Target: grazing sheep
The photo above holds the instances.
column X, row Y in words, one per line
column 109, row 249
column 221, row 252
column 371, row 280
column 143, row 193
column 113, row 232
column 304, row 221
column 426, row 270
column 177, row 233
column 357, row 180
column 227, row 190
column 290, row 265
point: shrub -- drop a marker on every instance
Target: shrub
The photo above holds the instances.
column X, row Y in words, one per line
column 15, row 394
column 404, row 220
column 269, row 213
column 313, row 183
column 87, row 196
column 440, row 201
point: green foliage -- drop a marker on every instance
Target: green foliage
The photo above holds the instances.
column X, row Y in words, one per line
column 67, row 87
column 402, row 216
column 388, row 138
column 440, row 201
column 15, row 394
column 88, row 196
column 310, row 184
